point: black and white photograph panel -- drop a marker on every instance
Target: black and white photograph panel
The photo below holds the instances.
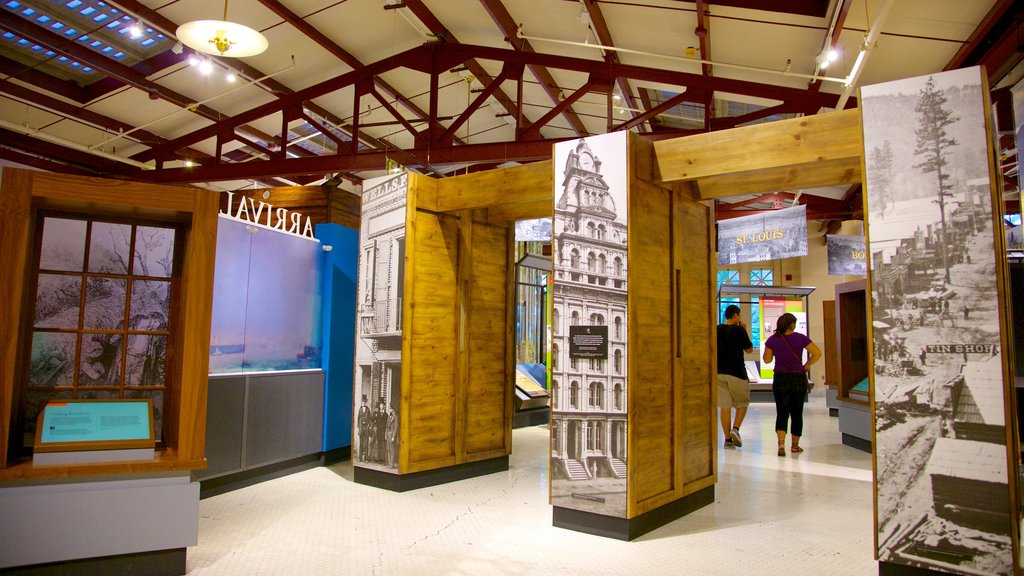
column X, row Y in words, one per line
column 588, row 370
column 846, row 255
column 378, row 367
column 941, row 461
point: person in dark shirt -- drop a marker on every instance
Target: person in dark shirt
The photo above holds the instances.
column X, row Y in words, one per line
column 733, row 385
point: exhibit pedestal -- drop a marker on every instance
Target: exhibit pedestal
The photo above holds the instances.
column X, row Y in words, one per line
column 630, row 528
column 832, row 401
column 139, row 524
column 855, row 425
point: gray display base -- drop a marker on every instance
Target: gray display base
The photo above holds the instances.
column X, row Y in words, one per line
column 855, row 425
column 91, row 456
column 159, row 563
column 832, row 401
column 534, row 417
column 44, row 522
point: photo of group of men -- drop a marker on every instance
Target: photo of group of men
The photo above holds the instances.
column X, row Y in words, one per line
column 378, row 434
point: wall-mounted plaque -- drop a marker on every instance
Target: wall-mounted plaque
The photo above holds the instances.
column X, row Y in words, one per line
column 588, row 342
column 74, row 425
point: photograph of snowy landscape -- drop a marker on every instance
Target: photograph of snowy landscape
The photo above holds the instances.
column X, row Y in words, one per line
column 941, row 459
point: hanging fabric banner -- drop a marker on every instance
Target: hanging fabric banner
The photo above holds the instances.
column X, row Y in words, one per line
column 846, row 255
column 769, row 236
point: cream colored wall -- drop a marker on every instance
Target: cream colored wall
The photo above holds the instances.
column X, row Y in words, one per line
column 812, row 270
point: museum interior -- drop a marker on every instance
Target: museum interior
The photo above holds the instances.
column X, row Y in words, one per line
column 436, row 287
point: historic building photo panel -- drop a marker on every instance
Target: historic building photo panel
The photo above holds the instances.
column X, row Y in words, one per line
column 378, row 366
column 940, row 454
column 588, row 367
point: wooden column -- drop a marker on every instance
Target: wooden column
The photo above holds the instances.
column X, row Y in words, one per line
column 457, row 337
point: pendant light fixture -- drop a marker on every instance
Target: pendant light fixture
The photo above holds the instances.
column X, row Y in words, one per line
column 221, row 37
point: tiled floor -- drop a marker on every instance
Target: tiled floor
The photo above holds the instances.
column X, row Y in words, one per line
column 805, row 514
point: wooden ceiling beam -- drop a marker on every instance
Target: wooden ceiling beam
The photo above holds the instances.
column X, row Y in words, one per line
column 763, row 149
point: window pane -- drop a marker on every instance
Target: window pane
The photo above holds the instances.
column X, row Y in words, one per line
column 63, row 245
column 35, row 400
column 154, row 251
column 53, row 359
column 151, row 302
column 108, row 248
column 104, row 304
column 58, row 299
column 101, row 360
column 147, row 356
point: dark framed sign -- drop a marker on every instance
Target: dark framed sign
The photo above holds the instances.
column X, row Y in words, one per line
column 588, row 342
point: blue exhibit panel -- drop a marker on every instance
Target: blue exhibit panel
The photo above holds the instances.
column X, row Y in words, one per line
column 339, row 327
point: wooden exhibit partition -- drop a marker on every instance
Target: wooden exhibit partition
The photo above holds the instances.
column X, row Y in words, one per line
column 671, row 299
column 23, row 194
column 457, row 336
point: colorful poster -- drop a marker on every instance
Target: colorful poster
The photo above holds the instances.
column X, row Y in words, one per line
column 376, row 387
column 768, row 236
column 588, row 416
column 846, row 255
column 770, row 309
column 942, row 478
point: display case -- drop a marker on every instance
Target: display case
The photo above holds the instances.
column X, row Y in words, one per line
column 766, row 304
column 851, row 341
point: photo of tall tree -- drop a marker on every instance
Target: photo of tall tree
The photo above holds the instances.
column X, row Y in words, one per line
column 942, row 487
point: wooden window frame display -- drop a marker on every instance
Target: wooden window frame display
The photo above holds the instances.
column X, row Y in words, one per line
column 76, row 387
column 193, row 212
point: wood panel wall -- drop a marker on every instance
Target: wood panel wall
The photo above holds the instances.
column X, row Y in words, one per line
column 457, row 345
column 652, row 429
column 429, row 347
column 26, row 191
column 488, row 348
column 671, row 339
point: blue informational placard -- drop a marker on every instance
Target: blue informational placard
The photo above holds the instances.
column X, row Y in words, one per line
column 74, row 421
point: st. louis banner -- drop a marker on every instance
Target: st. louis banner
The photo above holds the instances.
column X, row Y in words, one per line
column 767, row 236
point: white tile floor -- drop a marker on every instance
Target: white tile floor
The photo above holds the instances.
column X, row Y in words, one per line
column 805, row 514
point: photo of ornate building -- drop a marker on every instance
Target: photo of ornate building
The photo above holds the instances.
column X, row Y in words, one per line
column 589, row 394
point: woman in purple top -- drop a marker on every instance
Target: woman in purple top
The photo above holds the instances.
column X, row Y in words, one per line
column 789, row 386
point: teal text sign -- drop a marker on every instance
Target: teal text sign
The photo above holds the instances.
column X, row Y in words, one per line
column 95, row 422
